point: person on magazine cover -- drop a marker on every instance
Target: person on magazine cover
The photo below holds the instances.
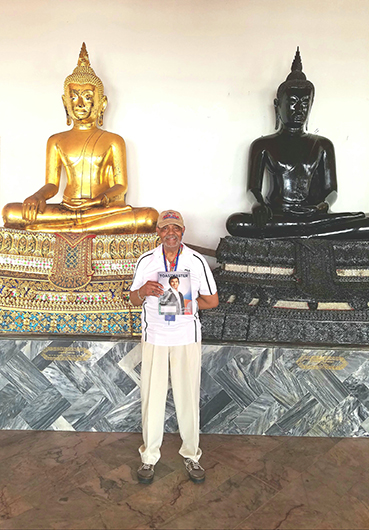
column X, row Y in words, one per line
column 171, row 340
column 173, row 297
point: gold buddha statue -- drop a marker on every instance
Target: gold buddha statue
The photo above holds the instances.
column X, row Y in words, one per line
column 95, row 166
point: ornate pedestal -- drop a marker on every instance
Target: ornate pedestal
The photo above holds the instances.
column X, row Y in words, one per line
column 51, row 286
column 297, row 290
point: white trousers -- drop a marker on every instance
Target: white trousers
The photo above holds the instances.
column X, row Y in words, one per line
column 185, row 373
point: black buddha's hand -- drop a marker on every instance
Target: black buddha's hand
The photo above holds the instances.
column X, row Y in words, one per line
column 308, row 210
column 261, row 214
column 323, row 207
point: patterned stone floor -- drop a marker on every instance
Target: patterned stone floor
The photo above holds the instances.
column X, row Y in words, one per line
column 74, row 480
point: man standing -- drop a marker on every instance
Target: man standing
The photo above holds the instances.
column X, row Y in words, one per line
column 173, row 340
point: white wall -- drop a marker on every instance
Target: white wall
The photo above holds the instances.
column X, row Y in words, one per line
column 190, row 84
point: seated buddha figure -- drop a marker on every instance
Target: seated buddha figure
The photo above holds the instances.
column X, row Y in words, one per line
column 299, row 172
column 95, row 164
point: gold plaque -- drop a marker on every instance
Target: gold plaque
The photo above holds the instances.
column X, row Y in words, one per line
column 58, row 353
column 321, row 362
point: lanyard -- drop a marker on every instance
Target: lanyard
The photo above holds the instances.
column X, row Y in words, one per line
column 172, row 266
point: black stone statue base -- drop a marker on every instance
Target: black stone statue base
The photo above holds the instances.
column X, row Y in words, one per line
column 293, row 291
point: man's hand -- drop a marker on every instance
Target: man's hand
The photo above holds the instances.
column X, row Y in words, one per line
column 32, row 206
column 150, row 288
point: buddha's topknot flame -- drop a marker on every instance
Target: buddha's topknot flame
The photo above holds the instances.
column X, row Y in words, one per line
column 83, row 74
column 296, row 78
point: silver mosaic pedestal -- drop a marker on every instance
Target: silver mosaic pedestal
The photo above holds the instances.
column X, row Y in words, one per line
column 246, row 389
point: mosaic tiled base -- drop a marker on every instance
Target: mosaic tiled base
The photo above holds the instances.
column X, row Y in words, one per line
column 297, row 291
column 94, row 386
column 31, row 303
column 126, row 322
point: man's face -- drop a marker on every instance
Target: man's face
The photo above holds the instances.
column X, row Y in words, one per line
column 294, row 106
column 171, row 236
column 82, row 102
column 174, row 283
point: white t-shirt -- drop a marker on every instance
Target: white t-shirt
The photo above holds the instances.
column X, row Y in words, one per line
column 185, row 329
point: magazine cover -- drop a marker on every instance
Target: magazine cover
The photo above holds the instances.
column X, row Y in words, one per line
column 177, row 296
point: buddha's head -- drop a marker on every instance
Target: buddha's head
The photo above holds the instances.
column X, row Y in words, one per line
column 294, row 97
column 83, row 97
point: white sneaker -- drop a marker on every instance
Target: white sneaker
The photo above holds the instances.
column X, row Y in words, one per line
column 145, row 473
column 195, row 471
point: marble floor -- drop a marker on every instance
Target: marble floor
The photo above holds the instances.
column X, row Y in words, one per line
column 75, row 480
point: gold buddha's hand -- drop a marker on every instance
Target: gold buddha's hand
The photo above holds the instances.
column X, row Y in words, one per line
column 32, row 206
column 103, row 199
column 86, row 204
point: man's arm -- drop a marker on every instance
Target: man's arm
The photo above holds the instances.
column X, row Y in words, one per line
column 150, row 288
column 207, row 285
column 208, row 301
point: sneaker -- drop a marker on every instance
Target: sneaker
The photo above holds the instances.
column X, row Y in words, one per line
column 195, row 471
column 145, row 473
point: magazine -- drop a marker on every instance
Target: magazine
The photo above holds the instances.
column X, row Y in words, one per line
column 177, row 296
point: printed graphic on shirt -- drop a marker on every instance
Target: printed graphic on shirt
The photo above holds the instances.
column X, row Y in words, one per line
column 177, row 296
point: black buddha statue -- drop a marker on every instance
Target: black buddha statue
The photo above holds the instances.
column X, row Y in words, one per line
column 300, row 170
